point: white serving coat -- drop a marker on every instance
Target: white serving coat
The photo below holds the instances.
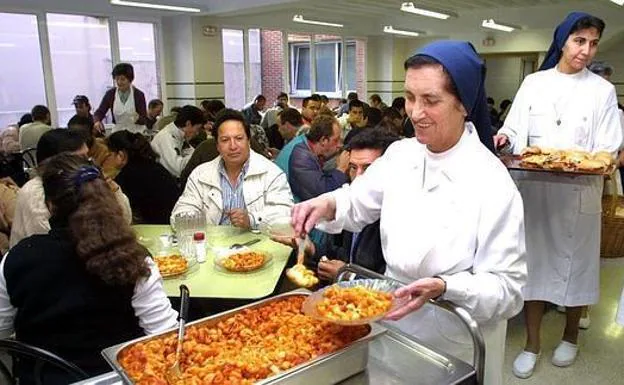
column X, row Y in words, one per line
column 562, row 212
column 126, row 114
column 457, row 215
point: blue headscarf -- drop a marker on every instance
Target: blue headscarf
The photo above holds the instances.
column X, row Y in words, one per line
column 467, row 71
column 562, row 32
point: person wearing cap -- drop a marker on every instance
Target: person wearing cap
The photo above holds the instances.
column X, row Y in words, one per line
column 83, row 107
column 562, row 106
column 451, row 217
column 126, row 103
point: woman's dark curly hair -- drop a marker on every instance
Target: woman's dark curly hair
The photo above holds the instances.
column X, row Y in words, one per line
column 135, row 145
column 79, row 196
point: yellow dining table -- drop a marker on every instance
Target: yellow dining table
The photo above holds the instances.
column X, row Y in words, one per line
column 205, row 280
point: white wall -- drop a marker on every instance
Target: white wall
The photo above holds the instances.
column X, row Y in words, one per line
column 503, row 76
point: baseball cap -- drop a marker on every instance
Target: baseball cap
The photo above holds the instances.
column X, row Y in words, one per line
column 80, row 99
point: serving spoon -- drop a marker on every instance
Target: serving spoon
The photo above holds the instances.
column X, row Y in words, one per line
column 174, row 374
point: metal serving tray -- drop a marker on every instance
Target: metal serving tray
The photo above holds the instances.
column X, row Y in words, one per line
column 329, row 368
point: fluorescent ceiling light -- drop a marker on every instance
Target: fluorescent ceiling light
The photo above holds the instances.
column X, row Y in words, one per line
column 7, row 45
column 618, row 2
column 300, row 19
column 409, row 7
column 390, row 29
column 491, row 24
column 154, row 6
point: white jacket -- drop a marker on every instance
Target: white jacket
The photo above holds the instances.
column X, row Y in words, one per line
column 168, row 145
column 265, row 189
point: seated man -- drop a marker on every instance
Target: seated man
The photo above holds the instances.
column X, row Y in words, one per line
column 31, row 213
column 310, row 109
column 169, row 141
column 252, row 111
column 240, row 187
column 302, row 160
column 355, row 119
column 30, row 133
column 154, row 109
column 363, row 248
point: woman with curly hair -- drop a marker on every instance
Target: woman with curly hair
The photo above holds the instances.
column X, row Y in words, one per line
column 85, row 285
column 151, row 189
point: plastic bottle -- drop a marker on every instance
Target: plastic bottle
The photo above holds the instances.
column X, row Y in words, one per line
column 199, row 239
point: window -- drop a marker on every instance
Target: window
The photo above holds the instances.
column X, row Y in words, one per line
column 300, row 64
column 328, row 65
column 255, row 63
column 328, row 62
column 81, row 60
column 137, row 47
column 21, row 71
column 234, row 68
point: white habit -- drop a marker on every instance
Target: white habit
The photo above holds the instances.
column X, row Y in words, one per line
column 457, row 215
column 562, row 213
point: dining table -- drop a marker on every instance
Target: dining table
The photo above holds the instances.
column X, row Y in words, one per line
column 209, row 280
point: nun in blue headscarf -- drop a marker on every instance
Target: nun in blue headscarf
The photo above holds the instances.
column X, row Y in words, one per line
column 562, row 106
column 451, row 217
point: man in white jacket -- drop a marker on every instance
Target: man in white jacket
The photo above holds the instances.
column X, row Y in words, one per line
column 239, row 187
column 169, row 142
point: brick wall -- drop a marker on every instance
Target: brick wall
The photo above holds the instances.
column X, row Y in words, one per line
column 272, row 64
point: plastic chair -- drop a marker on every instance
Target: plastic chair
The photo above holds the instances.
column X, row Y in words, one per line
column 41, row 358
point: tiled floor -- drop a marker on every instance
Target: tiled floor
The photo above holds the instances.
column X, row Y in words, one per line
column 601, row 356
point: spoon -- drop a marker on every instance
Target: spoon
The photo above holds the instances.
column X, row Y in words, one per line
column 174, row 374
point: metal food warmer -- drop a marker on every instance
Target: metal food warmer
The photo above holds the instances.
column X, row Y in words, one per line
column 385, row 356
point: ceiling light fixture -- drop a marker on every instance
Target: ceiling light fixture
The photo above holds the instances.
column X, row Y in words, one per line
column 161, row 7
column 409, row 7
column 390, row 29
column 618, row 2
column 491, row 24
column 300, row 19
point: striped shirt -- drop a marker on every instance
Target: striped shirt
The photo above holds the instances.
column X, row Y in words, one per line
column 232, row 195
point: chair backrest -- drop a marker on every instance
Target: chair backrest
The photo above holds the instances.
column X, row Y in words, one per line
column 41, row 358
column 29, row 156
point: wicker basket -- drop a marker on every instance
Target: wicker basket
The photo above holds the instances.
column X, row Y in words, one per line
column 612, row 234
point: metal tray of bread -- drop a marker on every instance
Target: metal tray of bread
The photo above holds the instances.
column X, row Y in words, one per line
column 328, row 368
column 514, row 162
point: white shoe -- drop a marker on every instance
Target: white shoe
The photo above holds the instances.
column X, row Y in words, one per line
column 565, row 354
column 524, row 364
column 584, row 322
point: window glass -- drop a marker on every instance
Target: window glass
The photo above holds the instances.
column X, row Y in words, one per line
column 300, row 65
column 21, row 71
column 137, row 47
column 255, row 63
column 234, row 68
column 81, row 60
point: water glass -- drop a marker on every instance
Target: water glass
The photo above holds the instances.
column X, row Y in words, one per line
column 186, row 224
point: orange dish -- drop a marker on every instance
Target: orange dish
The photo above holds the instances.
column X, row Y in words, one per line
column 353, row 303
column 243, row 349
column 171, row 265
column 242, row 262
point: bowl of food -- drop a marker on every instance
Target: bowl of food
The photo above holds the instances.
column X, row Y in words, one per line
column 241, row 260
column 354, row 302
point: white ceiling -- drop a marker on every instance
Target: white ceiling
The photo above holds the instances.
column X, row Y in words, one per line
column 360, row 17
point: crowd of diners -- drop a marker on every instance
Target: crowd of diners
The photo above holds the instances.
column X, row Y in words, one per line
column 413, row 190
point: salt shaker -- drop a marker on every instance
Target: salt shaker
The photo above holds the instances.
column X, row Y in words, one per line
column 199, row 240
